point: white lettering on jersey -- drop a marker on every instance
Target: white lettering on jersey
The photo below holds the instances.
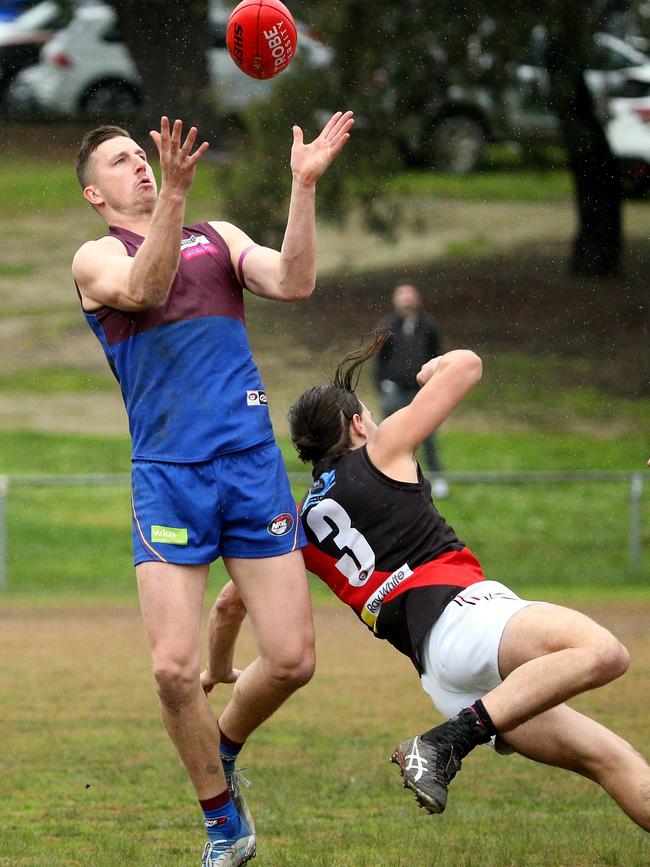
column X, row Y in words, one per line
column 193, row 241
column 329, row 517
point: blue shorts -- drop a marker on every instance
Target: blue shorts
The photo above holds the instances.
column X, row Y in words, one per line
column 237, row 505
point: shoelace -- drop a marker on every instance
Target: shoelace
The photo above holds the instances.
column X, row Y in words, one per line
column 238, row 777
column 216, row 847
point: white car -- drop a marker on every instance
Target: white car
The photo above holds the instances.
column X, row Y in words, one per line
column 628, row 130
column 86, row 69
column 451, row 130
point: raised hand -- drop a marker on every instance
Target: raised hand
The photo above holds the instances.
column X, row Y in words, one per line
column 177, row 162
column 427, row 370
column 209, row 680
column 309, row 161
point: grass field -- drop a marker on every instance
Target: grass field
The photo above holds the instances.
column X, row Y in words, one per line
column 66, row 541
column 88, row 774
column 90, row 777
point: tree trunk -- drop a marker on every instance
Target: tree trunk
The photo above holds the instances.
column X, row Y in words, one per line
column 597, row 247
column 169, row 41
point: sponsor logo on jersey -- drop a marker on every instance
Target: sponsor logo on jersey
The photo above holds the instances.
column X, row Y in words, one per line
column 196, row 245
column 281, row 525
column 370, row 611
column 318, row 490
column 256, row 398
column 169, row 535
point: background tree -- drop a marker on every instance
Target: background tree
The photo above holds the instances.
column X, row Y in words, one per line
column 169, row 41
column 393, row 62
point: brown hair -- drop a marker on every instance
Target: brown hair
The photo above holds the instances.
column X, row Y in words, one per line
column 89, row 144
column 319, row 420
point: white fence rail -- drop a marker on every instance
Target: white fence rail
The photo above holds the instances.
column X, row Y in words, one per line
column 633, row 479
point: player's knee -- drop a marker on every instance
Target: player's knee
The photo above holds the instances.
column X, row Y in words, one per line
column 229, row 604
column 176, row 682
column 610, row 660
column 294, row 667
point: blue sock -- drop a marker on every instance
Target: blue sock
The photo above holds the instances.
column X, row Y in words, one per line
column 221, row 819
column 229, row 752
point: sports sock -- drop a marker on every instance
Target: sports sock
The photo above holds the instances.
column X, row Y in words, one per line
column 463, row 732
column 486, row 720
column 221, row 817
column 229, row 751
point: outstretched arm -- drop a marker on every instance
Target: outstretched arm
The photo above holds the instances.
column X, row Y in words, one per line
column 290, row 274
column 444, row 381
column 224, row 622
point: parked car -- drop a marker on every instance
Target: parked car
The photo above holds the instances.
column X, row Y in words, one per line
column 11, row 9
column 87, row 69
column 628, row 130
column 452, row 132
column 22, row 39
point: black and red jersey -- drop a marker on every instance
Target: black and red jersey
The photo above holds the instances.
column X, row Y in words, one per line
column 383, row 548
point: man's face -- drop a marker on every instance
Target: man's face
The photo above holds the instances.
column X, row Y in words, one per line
column 406, row 300
column 121, row 178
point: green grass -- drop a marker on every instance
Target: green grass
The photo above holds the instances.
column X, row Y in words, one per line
column 22, row 269
column 32, row 452
column 55, row 379
column 468, row 248
column 513, row 185
column 571, row 536
column 53, row 187
column 81, row 732
column 504, row 176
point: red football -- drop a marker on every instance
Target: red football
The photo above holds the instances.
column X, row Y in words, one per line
column 261, row 37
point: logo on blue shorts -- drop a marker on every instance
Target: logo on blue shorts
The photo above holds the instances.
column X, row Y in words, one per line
column 281, row 525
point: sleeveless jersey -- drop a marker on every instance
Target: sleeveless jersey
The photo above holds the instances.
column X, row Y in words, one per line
column 190, row 385
column 382, row 547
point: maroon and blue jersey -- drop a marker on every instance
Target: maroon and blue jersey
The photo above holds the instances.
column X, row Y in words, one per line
column 190, row 385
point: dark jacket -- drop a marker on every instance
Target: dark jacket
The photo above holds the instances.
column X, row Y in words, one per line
column 401, row 357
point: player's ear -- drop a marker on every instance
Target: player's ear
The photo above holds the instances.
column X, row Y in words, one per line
column 92, row 195
column 357, row 425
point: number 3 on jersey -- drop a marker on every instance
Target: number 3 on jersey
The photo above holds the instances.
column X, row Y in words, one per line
column 358, row 560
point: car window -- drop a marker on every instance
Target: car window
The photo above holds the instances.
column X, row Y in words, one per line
column 112, row 33
column 607, row 58
column 43, row 16
column 610, row 53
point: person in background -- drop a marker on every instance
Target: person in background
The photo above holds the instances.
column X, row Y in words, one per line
column 415, row 338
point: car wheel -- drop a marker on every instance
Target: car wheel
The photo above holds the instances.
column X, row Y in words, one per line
column 457, row 144
column 108, row 99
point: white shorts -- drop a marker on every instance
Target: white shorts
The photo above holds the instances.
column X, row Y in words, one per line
column 460, row 655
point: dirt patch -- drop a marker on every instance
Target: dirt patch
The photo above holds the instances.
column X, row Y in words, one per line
column 521, row 301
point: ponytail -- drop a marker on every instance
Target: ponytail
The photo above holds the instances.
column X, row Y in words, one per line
column 320, row 419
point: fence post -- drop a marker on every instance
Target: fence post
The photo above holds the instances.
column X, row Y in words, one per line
column 636, row 489
column 4, row 488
